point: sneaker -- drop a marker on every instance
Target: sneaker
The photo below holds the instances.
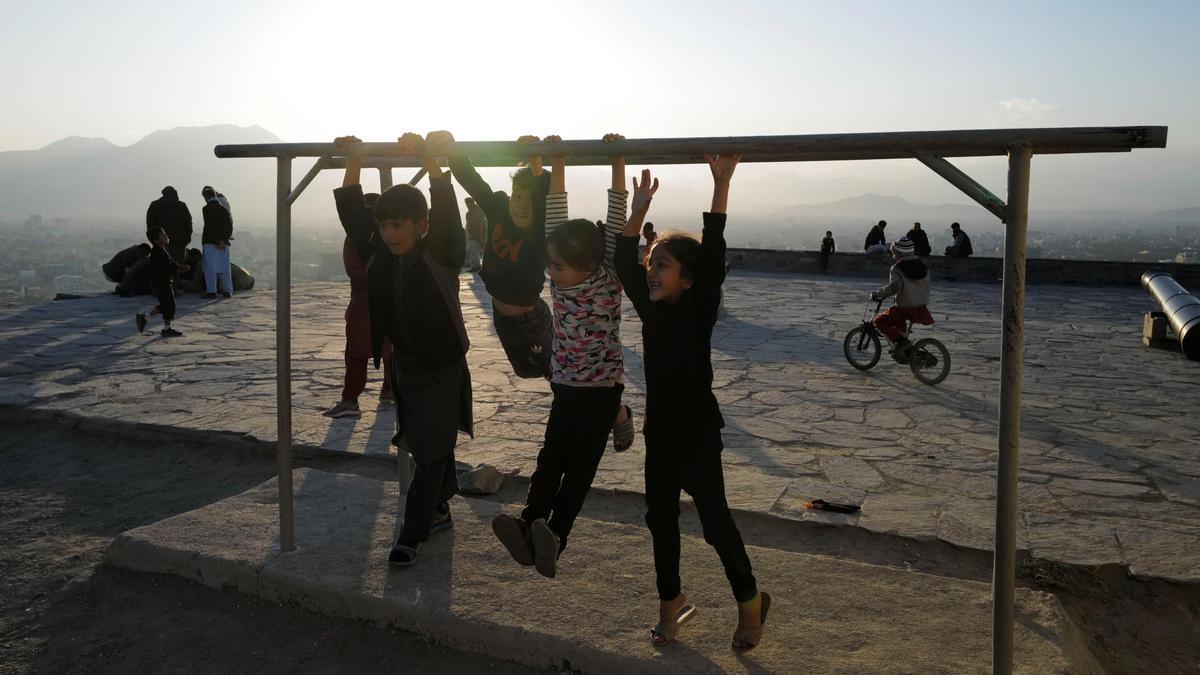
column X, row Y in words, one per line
column 209, row 296
column 514, row 534
column 545, row 548
column 171, row 332
column 141, row 322
column 344, row 409
column 441, row 522
column 226, row 295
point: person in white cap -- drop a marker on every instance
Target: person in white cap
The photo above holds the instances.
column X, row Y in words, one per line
column 909, row 281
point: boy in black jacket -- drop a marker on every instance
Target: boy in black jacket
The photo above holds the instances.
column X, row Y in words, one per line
column 413, row 255
column 163, row 270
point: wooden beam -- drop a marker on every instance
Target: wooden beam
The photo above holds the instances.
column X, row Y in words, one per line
column 814, row 147
column 963, row 182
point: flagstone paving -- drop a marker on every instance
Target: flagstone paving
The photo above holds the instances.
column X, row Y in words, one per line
column 1110, row 451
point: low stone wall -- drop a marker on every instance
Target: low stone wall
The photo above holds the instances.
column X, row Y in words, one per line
column 1038, row 270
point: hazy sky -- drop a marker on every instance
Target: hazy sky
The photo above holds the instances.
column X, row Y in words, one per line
column 311, row 70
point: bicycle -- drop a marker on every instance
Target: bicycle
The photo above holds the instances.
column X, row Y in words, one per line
column 928, row 358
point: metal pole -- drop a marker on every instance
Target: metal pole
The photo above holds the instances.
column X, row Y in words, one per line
column 385, row 178
column 1011, row 353
column 283, row 348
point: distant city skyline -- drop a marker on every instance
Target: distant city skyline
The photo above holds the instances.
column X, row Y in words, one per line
column 309, row 71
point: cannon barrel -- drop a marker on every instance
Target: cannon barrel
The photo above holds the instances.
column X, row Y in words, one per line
column 1182, row 310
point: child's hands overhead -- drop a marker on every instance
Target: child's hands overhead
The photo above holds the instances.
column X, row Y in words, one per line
column 722, row 166
column 343, row 143
column 437, row 141
column 535, row 162
column 411, row 144
column 643, row 192
column 612, row 138
column 353, row 162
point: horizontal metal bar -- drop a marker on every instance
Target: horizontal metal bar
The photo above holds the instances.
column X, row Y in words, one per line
column 815, row 147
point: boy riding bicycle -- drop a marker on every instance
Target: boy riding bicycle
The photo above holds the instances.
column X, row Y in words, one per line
column 909, row 281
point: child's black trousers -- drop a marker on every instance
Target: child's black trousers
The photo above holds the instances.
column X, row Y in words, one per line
column 576, row 435
column 692, row 462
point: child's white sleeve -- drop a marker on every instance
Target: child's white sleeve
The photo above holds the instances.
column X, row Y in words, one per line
column 556, row 211
column 614, row 225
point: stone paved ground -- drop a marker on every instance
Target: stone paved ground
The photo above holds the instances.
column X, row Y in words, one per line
column 1110, row 457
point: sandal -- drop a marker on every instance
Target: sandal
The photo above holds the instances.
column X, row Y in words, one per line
column 746, row 638
column 665, row 633
column 622, row 432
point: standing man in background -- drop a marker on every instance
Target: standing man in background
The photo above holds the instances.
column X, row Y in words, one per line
column 174, row 218
column 218, row 232
column 827, row 248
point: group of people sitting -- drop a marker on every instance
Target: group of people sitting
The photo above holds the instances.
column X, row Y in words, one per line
column 405, row 255
column 876, row 241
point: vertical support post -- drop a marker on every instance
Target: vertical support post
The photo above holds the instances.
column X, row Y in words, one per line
column 385, row 178
column 283, row 348
column 1011, row 356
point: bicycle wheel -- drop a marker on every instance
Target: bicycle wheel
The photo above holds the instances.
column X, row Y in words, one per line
column 929, row 360
column 861, row 348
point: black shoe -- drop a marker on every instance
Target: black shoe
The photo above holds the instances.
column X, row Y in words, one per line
column 401, row 555
column 227, row 295
column 171, row 332
column 141, row 322
column 209, row 296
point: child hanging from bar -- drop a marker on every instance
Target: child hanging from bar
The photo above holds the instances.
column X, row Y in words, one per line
column 514, row 270
column 587, row 372
column 514, row 261
column 677, row 298
column 413, row 255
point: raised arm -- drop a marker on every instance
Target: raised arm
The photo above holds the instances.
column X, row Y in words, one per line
column 626, row 259
column 446, row 237
column 712, row 241
column 556, row 198
column 353, row 162
column 614, row 223
column 468, row 177
column 357, row 219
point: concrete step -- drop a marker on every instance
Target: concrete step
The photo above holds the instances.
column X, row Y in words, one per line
column 829, row 615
